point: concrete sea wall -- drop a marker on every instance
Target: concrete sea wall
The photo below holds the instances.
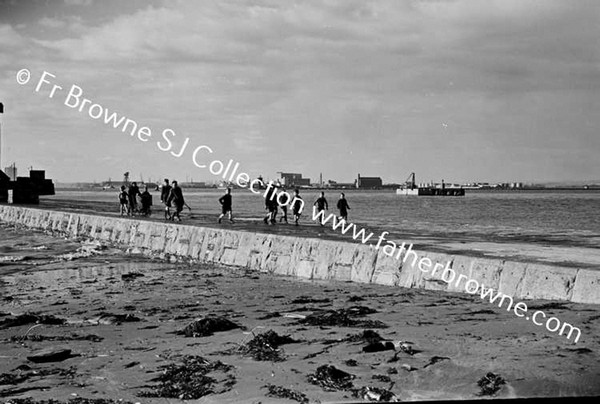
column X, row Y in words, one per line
column 315, row 259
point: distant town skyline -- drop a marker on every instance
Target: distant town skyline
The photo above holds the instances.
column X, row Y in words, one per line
column 461, row 90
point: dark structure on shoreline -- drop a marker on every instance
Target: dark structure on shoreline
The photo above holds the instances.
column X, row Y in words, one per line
column 25, row 190
column 369, row 182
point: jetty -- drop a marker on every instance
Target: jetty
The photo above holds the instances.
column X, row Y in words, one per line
column 410, row 188
column 310, row 258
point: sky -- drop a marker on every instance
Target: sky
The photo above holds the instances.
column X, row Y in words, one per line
column 461, row 90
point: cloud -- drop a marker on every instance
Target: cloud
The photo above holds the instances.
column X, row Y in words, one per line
column 78, row 2
column 371, row 78
column 53, row 23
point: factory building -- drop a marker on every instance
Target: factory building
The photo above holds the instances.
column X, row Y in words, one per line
column 293, row 180
column 368, row 182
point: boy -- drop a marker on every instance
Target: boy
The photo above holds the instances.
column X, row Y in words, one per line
column 133, row 192
column 321, row 204
column 164, row 198
column 146, row 200
column 176, row 198
column 297, row 207
column 342, row 205
column 271, row 205
column 124, row 201
column 226, row 204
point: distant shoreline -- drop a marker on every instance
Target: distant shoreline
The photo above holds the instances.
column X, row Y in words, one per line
column 591, row 189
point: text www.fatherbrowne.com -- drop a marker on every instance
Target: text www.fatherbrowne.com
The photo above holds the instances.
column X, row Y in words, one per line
column 446, row 274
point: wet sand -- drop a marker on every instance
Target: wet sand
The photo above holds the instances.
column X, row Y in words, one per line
column 122, row 328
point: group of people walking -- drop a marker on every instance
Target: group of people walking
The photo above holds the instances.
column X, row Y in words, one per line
column 271, row 206
column 128, row 198
column 171, row 196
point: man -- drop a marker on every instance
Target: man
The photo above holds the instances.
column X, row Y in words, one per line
column 271, row 205
column 146, row 200
column 133, row 193
column 164, row 198
column 342, row 205
column 176, row 199
column 297, row 207
column 226, row 204
column 284, row 208
column 321, row 204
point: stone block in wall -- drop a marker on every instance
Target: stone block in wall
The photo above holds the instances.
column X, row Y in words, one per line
column 387, row 270
column 245, row 250
column 281, row 256
column 511, row 278
column 213, row 245
column 171, row 232
column 324, row 259
column 121, row 231
column 231, row 243
column 305, row 269
column 363, row 264
column 587, row 286
column 182, row 244
column 486, row 271
column 411, row 275
column 196, row 240
column 546, row 282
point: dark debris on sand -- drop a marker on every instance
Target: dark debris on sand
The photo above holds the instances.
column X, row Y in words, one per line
column 282, row 392
column 30, row 318
column 72, row 337
column 25, row 372
column 77, row 400
column 265, row 346
column 208, row 326
column 331, row 378
column 368, row 336
column 490, row 384
column 343, row 318
column 189, row 380
column 111, row 318
column 308, row 299
column 436, row 359
column 267, row 316
column 131, row 276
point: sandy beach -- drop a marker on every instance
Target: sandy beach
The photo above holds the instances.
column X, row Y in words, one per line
column 119, row 315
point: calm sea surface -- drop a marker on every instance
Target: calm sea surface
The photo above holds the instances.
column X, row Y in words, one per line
column 567, row 218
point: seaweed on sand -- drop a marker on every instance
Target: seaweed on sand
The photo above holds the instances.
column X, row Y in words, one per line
column 282, row 392
column 30, row 318
column 189, row 380
column 308, row 299
column 77, row 400
column 368, row 336
column 343, row 318
column 72, row 337
column 208, row 326
column 331, row 378
column 490, row 384
column 265, row 346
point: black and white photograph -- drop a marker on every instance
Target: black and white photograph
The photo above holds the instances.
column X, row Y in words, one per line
column 283, row 201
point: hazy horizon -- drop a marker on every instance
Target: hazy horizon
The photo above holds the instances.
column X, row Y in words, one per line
column 464, row 90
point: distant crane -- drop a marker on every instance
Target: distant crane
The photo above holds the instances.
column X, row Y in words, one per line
column 126, row 178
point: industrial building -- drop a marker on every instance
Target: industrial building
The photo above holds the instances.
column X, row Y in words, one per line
column 368, row 182
column 293, row 180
